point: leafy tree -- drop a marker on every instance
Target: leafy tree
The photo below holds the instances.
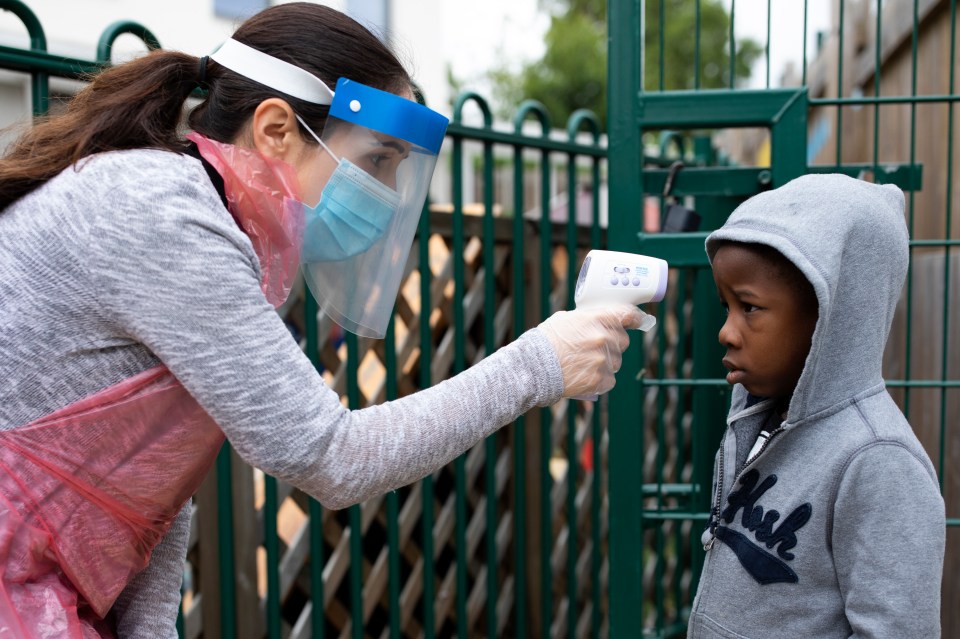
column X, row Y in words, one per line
column 573, row 71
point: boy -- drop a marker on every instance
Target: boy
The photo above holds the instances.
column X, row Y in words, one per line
column 827, row 518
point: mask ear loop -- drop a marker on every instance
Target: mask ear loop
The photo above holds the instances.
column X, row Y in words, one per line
column 319, row 141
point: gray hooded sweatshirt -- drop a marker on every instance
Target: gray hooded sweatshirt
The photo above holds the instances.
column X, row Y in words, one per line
column 836, row 527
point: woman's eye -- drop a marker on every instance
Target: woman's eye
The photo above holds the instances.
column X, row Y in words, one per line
column 726, row 308
column 378, row 160
column 749, row 308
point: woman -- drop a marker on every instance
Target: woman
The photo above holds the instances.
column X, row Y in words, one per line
column 139, row 272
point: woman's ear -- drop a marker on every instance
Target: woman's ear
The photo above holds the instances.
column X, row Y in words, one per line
column 275, row 130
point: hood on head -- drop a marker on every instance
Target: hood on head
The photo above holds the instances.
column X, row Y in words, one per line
column 849, row 238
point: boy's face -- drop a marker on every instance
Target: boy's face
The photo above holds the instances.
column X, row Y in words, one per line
column 769, row 324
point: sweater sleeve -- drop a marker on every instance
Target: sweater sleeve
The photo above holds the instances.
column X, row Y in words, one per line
column 177, row 276
column 889, row 508
column 180, row 278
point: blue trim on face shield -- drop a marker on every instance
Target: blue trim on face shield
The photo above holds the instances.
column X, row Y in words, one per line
column 389, row 114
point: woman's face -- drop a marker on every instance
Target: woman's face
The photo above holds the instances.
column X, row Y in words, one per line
column 314, row 167
column 377, row 154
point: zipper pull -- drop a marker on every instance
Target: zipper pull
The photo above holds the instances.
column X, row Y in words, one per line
column 708, row 536
column 707, row 539
column 762, row 439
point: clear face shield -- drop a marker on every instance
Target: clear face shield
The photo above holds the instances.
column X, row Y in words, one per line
column 379, row 151
column 357, row 238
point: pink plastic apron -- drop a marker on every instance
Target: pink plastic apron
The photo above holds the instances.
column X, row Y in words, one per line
column 263, row 195
column 85, row 495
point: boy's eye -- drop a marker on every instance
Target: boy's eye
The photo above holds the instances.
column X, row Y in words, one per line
column 726, row 307
column 749, row 308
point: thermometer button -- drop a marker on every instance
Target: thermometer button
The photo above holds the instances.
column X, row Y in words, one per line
column 614, row 280
column 635, row 281
column 621, row 269
column 625, row 281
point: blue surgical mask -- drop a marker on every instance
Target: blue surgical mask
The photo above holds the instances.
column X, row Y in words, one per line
column 354, row 211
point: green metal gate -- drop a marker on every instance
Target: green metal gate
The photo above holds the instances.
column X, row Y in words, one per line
column 667, row 412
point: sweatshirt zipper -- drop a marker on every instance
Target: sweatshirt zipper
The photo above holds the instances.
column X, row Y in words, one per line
column 714, row 520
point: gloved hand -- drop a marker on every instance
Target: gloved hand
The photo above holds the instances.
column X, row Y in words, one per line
column 590, row 342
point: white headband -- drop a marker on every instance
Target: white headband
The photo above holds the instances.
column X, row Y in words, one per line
column 272, row 72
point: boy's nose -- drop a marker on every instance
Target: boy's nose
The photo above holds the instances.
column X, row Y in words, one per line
column 728, row 335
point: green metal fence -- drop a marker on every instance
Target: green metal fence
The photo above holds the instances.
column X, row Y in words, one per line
column 866, row 109
column 510, row 539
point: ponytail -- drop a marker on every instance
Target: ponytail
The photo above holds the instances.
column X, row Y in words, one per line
column 134, row 105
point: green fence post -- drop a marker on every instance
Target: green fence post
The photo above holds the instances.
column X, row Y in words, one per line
column 318, row 607
column 946, row 251
column 489, row 345
column 519, row 432
column 426, row 484
column 39, row 80
column 228, row 624
column 271, row 542
column 354, row 512
column 115, row 30
column 393, row 501
column 596, row 433
column 459, row 365
column 625, row 153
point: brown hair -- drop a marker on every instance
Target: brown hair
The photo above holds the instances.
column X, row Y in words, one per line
column 139, row 104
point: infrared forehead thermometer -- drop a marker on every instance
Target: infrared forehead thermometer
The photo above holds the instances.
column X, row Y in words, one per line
column 611, row 277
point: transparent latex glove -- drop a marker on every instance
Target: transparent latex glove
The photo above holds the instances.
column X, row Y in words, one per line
column 590, row 342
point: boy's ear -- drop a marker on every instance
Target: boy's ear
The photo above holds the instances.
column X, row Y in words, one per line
column 275, row 131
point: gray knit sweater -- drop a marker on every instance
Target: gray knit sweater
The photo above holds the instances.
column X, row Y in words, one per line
column 133, row 260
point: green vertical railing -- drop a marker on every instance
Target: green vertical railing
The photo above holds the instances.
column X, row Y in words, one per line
column 393, row 500
column 459, row 360
column 314, row 510
column 356, row 531
column 41, row 65
column 546, row 415
column 948, row 234
column 39, row 80
column 625, row 155
column 426, row 380
column 580, row 120
column 225, row 548
column 518, row 266
column 489, row 345
column 117, row 29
